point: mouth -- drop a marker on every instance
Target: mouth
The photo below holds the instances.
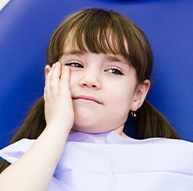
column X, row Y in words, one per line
column 87, row 99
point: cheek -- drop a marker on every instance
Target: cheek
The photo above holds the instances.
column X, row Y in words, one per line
column 124, row 98
column 121, row 99
column 124, row 91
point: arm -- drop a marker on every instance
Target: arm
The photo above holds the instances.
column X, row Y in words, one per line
column 34, row 170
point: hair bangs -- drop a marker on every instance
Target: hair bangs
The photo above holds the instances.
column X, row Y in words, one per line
column 97, row 36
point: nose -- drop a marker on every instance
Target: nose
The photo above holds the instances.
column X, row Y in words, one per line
column 90, row 80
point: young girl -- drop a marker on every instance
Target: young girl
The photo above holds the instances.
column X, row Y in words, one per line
column 98, row 71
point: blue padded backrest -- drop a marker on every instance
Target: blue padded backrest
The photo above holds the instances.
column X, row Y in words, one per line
column 26, row 26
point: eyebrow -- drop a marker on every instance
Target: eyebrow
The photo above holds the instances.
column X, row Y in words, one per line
column 114, row 59
column 73, row 52
column 118, row 59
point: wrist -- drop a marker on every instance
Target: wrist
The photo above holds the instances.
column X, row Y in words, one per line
column 56, row 127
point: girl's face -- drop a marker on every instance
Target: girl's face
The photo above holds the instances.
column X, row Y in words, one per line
column 104, row 89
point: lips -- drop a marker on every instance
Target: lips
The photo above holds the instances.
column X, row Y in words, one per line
column 87, row 98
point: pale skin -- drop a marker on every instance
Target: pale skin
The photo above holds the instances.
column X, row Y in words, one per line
column 77, row 96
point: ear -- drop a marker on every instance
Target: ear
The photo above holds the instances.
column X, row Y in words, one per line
column 140, row 95
column 47, row 70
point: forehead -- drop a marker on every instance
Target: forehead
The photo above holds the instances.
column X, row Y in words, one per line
column 72, row 48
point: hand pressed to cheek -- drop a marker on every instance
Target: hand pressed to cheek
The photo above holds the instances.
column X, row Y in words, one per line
column 57, row 96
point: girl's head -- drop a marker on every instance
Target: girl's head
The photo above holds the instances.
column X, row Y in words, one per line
column 102, row 31
column 97, row 31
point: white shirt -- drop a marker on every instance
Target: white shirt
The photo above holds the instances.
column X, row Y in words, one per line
column 109, row 162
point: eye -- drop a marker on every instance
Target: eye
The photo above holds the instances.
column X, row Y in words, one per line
column 74, row 64
column 114, row 71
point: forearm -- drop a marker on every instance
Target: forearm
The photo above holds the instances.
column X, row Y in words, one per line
column 34, row 170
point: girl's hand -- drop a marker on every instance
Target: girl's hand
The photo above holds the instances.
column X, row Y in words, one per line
column 58, row 102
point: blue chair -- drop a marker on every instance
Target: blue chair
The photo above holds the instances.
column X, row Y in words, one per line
column 26, row 26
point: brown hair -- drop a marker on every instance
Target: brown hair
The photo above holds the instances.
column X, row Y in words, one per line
column 102, row 31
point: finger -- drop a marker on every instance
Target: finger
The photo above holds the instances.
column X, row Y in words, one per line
column 64, row 80
column 49, row 81
column 65, row 73
column 63, row 69
column 47, row 70
column 55, row 77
